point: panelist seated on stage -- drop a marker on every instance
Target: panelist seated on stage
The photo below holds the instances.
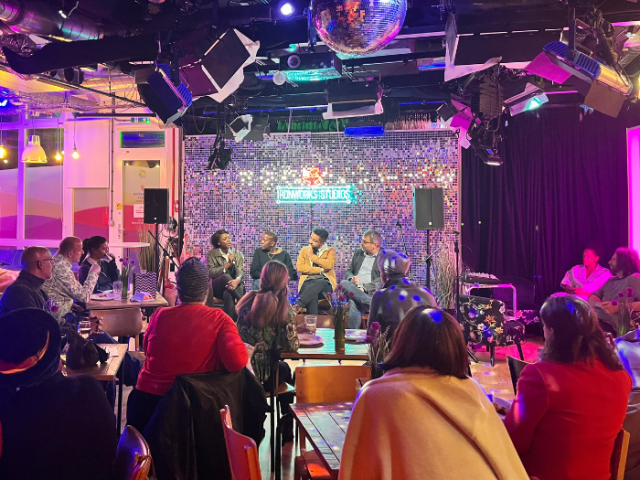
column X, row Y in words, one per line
column 363, row 275
column 267, row 252
column 226, row 271
column 317, row 276
column 625, row 283
column 583, row 280
column 390, row 305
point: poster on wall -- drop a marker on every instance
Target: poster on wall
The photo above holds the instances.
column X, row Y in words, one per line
column 138, row 175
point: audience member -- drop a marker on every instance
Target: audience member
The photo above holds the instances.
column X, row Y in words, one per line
column 269, row 251
column 424, row 419
column 96, row 252
column 52, row 427
column 569, row 406
column 26, row 291
column 583, row 280
column 226, row 271
column 390, row 305
column 188, row 338
column 266, row 321
column 63, row 288
column 629, row 353
column 363, row 276
column 317, row 276
column 625, row 267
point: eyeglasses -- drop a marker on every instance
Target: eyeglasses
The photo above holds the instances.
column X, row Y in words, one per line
column 46, row 260
column 364, row 243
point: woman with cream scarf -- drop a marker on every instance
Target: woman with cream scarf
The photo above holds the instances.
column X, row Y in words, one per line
column 425, row 419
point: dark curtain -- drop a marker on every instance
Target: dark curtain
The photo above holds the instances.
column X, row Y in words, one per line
column 562, row 185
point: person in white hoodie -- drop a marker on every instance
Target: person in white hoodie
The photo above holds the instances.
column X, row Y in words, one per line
column 424, row 418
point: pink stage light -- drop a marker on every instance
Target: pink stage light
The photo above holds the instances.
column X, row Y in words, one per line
column 633, row 159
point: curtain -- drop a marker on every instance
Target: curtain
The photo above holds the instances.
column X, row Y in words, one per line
column 563, row 184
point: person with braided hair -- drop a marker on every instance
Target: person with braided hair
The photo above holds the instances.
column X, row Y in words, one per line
column 211, row 336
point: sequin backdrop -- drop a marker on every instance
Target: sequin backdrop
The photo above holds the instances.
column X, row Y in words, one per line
column 242, row 199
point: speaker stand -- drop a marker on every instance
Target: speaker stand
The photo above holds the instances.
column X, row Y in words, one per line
column 429, row 260
column 156, row 252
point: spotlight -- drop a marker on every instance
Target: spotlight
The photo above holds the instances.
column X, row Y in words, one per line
column 286, row 9
column 433, row 117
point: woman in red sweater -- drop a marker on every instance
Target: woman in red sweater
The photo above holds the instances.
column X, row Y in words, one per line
column 570, row 406
column 188, row 338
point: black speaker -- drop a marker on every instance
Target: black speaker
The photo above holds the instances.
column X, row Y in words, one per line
column 428, row 209
column 156, row 205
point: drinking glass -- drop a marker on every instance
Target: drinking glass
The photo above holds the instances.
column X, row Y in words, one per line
column 117, row 289
column 84, row 327
column 310, row 323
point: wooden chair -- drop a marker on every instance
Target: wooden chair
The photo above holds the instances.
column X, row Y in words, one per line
column 619, row 456
column 121, row 322
column 323, row 383
column 515, row 369
column 242, row 451
column 133, row 459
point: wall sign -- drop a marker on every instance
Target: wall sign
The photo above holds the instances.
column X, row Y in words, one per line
column 323, row 194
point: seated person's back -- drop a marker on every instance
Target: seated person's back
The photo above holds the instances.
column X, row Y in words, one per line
column 189, row 338
column 629, row 353
column 53, row 427
column 398, row 295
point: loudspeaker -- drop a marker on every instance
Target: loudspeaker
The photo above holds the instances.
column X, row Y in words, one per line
column 162, row 97
column 428, row 209
column 156, row 205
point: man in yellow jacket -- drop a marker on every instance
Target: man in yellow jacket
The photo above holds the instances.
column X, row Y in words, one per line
column 317, row 276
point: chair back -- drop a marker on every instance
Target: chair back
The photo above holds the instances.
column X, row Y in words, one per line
column 619, row 456
column 120, row 322
column 242, row 451
column 316, row 383
column 525, row 289
column 133, row 457
column 515, row 369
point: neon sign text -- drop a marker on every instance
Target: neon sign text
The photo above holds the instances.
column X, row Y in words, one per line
column 320, row 194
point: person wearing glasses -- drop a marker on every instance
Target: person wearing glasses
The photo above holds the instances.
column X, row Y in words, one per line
column 362, row 276
column 26, row 291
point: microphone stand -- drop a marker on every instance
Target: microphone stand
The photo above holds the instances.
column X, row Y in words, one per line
column 457, row 250
column 165, row 254
column 404, row 244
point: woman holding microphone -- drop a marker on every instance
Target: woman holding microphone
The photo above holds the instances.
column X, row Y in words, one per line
column 226, row 271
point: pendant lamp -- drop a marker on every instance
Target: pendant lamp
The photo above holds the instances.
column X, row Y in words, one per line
column 33, row 152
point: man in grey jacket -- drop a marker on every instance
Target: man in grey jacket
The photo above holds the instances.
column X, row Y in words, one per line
column 362, row 276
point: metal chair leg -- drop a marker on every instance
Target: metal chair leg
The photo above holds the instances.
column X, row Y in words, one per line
column 474, row 358
column 520, row 351
column 492, row 350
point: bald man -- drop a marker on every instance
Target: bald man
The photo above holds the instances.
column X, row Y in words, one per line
column 26, row 291
column 63, row 288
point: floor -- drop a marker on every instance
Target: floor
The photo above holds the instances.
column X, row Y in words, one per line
column 495, row 380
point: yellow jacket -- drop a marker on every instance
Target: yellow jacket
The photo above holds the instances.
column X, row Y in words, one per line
column 326, row 260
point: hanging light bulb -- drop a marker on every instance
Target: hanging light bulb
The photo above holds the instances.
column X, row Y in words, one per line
column 6, row 161
column 3, row 151
column 58, row 156
column 75, row 155
column 33, row 152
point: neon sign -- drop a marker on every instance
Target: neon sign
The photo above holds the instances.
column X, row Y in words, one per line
column 312, row 177
column 323, row 194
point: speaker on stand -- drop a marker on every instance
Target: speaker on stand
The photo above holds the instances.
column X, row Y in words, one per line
column 156, row 212
column 428, row 214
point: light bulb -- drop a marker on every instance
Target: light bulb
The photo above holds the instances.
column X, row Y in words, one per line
column 75, row 155
column 286, row 9
column 6, row 161
column 58, row 156
column 3, row 151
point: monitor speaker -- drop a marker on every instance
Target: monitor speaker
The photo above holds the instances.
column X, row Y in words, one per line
column 156, row 205
column 428, row 209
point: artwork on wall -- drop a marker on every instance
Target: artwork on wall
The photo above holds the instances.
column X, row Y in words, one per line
column 377, row 174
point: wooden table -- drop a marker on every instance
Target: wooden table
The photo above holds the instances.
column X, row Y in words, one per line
column 325, row 425
column 105, row 371
column 159, row 301
column 327, row 351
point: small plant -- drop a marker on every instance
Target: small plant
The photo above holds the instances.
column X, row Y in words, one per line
column 626, row 308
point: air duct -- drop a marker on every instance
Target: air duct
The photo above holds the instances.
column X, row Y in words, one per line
column 35, row 17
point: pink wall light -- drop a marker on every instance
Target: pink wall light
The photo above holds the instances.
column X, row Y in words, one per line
column 633, row 158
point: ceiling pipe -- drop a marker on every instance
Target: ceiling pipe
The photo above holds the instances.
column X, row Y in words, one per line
column 36, row 17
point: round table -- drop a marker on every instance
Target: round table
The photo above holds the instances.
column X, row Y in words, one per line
column 128, row 245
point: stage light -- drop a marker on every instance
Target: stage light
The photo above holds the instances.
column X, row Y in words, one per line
column 279, row 78
column 286, row 9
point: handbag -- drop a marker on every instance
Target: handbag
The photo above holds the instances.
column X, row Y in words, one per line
column 83, row 353
column 145, row 282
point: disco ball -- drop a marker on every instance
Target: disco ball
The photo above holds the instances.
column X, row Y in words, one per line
column 358, row 27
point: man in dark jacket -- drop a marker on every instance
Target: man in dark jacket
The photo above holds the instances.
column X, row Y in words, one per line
column 390, row 305
column 362, row 276
column 26, row 291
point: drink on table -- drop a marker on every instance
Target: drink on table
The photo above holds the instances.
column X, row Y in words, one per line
column 310, row 322
column 84, row 327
